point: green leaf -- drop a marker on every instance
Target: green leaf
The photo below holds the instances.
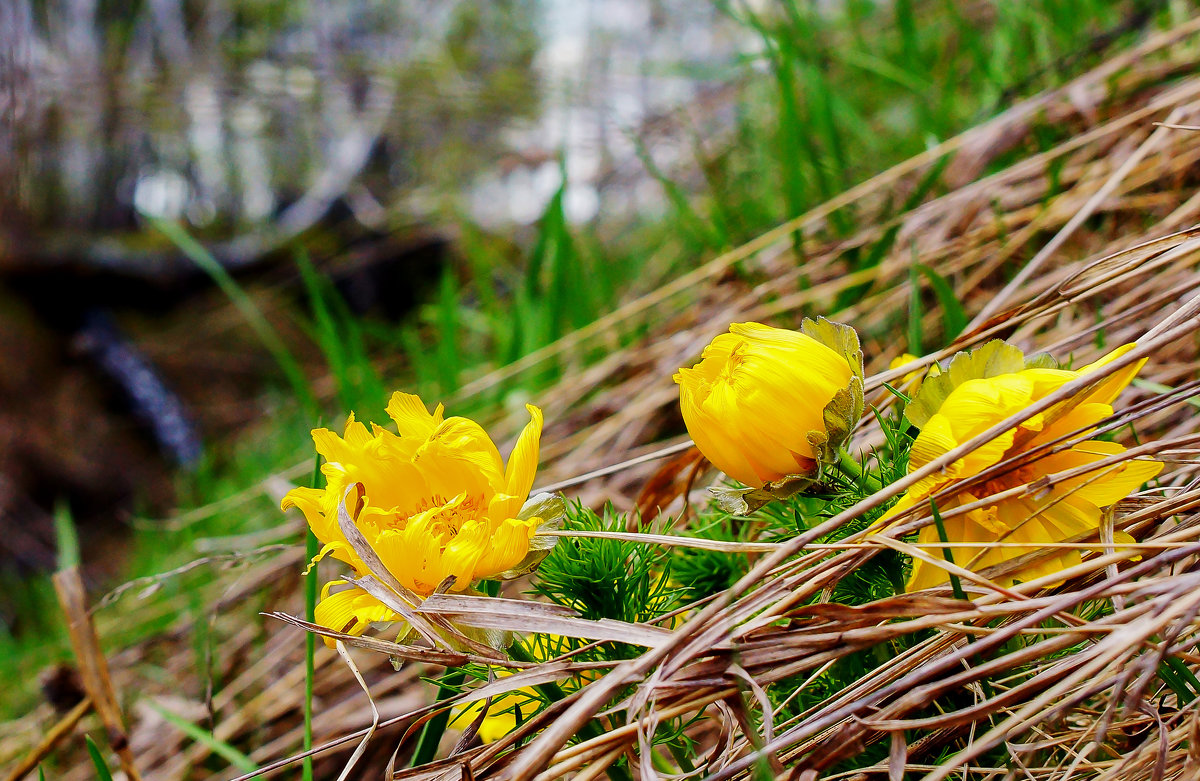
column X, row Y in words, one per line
column 842, row 339
column 946, row 552
column 245, row 305
column 915, row 313
column 743, row 501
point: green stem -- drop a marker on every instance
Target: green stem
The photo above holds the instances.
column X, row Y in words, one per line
column 851, row 468
column 681, row 757
column 312, row 546
column 955, row 584
column 660, row 763
column 431, row 733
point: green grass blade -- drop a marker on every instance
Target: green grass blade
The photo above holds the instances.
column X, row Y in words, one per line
column 915, row 313
column 67, row 537
column 954, row 318
column 312, row 546
column 102, row 771
column 431, row 733
column 245, row 305
column 198, row 734
column 955, row 585
column 448, row 357
column 327, row 336
column 1158, row 387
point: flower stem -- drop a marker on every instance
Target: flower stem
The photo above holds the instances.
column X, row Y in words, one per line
column 431, row 733
column 312, row 546
column 851, row 468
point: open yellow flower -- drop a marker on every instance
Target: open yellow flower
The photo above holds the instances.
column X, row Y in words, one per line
column 951, row 410
column 765, row 403
column 436, row 502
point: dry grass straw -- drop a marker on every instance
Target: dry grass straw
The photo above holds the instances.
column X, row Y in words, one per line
column 1101, row 226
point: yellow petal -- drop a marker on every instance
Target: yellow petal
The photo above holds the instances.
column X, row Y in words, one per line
column 1054, row 523
column 312, row 503
column 356, row 435
column 351, row 611
column 331, row 447
column 935, row 440
column 768, row 433
column 1110, row 387
column 1069, row 420
column 958, row 529
column 710, row 437
column 341, row 551
column 1107, row 485
column 412, row 419
column 501, row 716
column 459, row 456
column 522, row 465
column 413, row 556
column 463, row 552
column 508, row 546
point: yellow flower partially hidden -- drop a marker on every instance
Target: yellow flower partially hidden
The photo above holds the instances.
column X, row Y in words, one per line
column 911, row 382
column 767, row 403
column 436, row 502
column 501, row 717
column 951, row 409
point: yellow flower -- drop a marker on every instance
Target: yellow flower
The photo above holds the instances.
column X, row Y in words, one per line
column 501, row 717
column 912, row 381
column 950, row 410
column 760, row 403
column 436, row 502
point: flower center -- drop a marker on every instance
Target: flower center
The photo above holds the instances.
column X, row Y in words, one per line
column 448, row 516
column 731, row 367
column 1023, row 475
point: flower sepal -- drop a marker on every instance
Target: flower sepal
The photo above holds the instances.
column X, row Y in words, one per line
column 845, row 409
column 743, row 501
column 993, row 359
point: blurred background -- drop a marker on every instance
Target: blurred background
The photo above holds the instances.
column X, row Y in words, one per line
column 409, row 151
column 222, row 222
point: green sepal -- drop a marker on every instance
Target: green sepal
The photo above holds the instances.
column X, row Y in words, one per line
column 845, row 409
column 841, row 415
column 842, row 339
column 992, row 360
column 1042, row 361
column 743, row 501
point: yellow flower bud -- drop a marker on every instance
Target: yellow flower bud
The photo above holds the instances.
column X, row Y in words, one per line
column 766, row 403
